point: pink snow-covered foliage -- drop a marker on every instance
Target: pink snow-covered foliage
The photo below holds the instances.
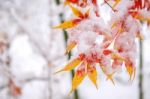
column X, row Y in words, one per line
column 111, row 45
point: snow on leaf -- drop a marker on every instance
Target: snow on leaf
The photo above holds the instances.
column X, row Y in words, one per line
column 118, row 39
column 116, row 56
column 109, row 75
column 142, row 18
column 107, row 52
column 141, row 15
column 114, row 25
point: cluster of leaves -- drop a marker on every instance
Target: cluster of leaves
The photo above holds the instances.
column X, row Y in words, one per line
column 118, row 47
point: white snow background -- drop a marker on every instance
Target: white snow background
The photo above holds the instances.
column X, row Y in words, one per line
column 33, row 43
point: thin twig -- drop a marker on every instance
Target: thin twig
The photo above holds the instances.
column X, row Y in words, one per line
column 141, row 95
column 110, row 6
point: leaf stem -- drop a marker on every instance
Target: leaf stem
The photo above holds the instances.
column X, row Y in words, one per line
column 141, row 95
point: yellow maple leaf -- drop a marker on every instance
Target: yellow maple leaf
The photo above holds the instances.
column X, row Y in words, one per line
column 66, row 2
column 109, row 77
column 131, row 71
column 65, row 25
column 77, row 81
column 116, row 56
column 76, row 11
column 116, row 3
column 142, row 18
column 71, row 65
column 114, row 25
column 93, row 77
column 70, row 47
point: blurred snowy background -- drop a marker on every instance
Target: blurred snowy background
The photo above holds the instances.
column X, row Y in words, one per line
column 30, row 52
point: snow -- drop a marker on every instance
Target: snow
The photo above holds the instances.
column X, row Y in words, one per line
column 27, row 61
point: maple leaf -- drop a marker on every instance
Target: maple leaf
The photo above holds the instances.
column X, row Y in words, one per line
column 138, row 3
column 70, row 47
column 65, row 25
column 107, row 52
column 92, row 74
column 71, row 65
column 130, row 68
column 117, row 46
column 67, row 2
column 131, row 71
column 87, row 13
column 142, row 18
column 94, row 2
column 116, row 3
column 68, row 24
column 80, row 74
column 77, row 79
column 76, row 12
column 116, row 56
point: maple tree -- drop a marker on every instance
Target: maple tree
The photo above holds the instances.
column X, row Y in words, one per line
column 118, row 47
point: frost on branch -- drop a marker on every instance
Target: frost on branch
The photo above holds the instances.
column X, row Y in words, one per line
column 110, row 46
